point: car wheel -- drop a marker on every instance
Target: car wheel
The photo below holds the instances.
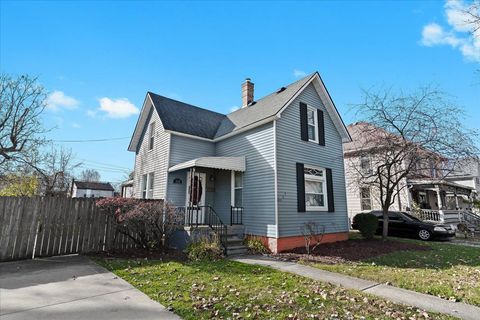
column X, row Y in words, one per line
column 424, row 234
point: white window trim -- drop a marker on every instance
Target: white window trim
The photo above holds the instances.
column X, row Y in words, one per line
column 233, row 188
column 315, row 118
column 325, row 188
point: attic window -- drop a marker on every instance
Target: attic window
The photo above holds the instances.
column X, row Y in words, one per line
column 281, row 89
column 152, row 136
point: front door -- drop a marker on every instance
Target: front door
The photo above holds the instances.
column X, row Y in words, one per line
column 195, row 196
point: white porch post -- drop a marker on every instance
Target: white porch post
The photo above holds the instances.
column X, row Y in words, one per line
column 232, row 188
column 439, row 198
column 440, row 204
column 456, row 200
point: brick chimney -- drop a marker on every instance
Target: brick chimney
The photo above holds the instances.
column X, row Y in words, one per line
column 247, row 92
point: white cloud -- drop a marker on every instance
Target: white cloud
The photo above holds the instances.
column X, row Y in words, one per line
column 117, row 108
column 433, row 34
column 58, row 99
column 299, row 73
column 458, row 35
column 76, row 125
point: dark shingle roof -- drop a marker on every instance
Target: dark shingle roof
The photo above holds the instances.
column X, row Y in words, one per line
column 263, row 108
column 182, row 117
column 94, row 185
column 185, row 118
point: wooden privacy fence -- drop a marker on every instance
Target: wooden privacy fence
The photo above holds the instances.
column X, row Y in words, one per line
column 49, row 226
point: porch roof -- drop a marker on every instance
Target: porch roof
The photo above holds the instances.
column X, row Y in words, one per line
column 224, row 163
column 423, row 182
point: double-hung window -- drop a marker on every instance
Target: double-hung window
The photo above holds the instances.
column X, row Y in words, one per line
column 366, row 164
column 144, row 186
column 365, row 198
column 150, row 186
column 238, row 189
column 315, row 189
column 147, row 186
column 312, row 124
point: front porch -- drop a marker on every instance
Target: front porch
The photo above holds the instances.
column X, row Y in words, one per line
column 208, row 190
column 440, row 200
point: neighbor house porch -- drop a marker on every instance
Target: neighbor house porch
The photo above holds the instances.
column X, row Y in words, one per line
column 440, row 200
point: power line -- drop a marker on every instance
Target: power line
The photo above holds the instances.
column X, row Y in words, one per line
column 92, row 140
column 106, row 164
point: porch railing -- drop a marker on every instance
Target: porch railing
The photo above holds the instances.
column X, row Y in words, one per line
column 430, row 215
column 205, row 216
column 236, row 215
column 470, row 218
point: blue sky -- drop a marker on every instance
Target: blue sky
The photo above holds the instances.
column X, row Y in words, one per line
column 98, row 59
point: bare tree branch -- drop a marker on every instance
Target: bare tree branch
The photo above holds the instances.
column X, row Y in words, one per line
column 406, row 135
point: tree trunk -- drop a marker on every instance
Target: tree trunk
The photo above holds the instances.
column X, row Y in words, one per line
column 385, row 224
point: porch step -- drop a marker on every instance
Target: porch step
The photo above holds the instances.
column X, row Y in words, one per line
column 235, row 238
column 234, row 241
column 236, row 250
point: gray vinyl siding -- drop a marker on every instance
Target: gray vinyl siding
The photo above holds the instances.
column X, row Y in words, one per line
column 184, row 149
column 290, row 150
column 258, row 181
column 155, row 160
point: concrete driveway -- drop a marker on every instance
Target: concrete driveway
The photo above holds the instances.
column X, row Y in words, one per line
column 71, row 287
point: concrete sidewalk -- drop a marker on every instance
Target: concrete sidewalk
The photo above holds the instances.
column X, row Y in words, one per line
column 394, row 294
column 71, row 287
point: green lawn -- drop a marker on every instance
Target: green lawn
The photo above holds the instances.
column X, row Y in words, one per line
column 232, row 290
column 447, row 271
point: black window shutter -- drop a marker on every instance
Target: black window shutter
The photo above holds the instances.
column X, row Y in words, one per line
column 303, row 121
column 300, row 188
column 331, row 206
column 321, row 128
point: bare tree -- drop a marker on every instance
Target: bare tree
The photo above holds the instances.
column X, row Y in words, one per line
column 90, row 175
column 472, row 14
column 54, row 169
column 406, row 135
column 22, row 101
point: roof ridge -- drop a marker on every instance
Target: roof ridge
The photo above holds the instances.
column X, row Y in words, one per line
column 189, row 104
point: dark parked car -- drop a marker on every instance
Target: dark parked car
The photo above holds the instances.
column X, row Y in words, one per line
column 402, row 224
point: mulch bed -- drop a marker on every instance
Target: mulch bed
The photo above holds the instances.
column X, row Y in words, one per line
column 349, row 251
column 142, row 254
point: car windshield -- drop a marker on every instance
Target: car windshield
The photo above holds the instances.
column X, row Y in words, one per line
column 410, row 216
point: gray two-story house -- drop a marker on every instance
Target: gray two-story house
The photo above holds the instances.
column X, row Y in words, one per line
column 271, row 166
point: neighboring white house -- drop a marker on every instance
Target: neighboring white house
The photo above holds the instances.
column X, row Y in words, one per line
column 127, row 190
column 467, row 174
column 439, row 198
column 86, row 189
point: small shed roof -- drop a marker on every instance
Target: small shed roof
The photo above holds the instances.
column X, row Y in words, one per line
column 224, row 163
column 94, row 185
